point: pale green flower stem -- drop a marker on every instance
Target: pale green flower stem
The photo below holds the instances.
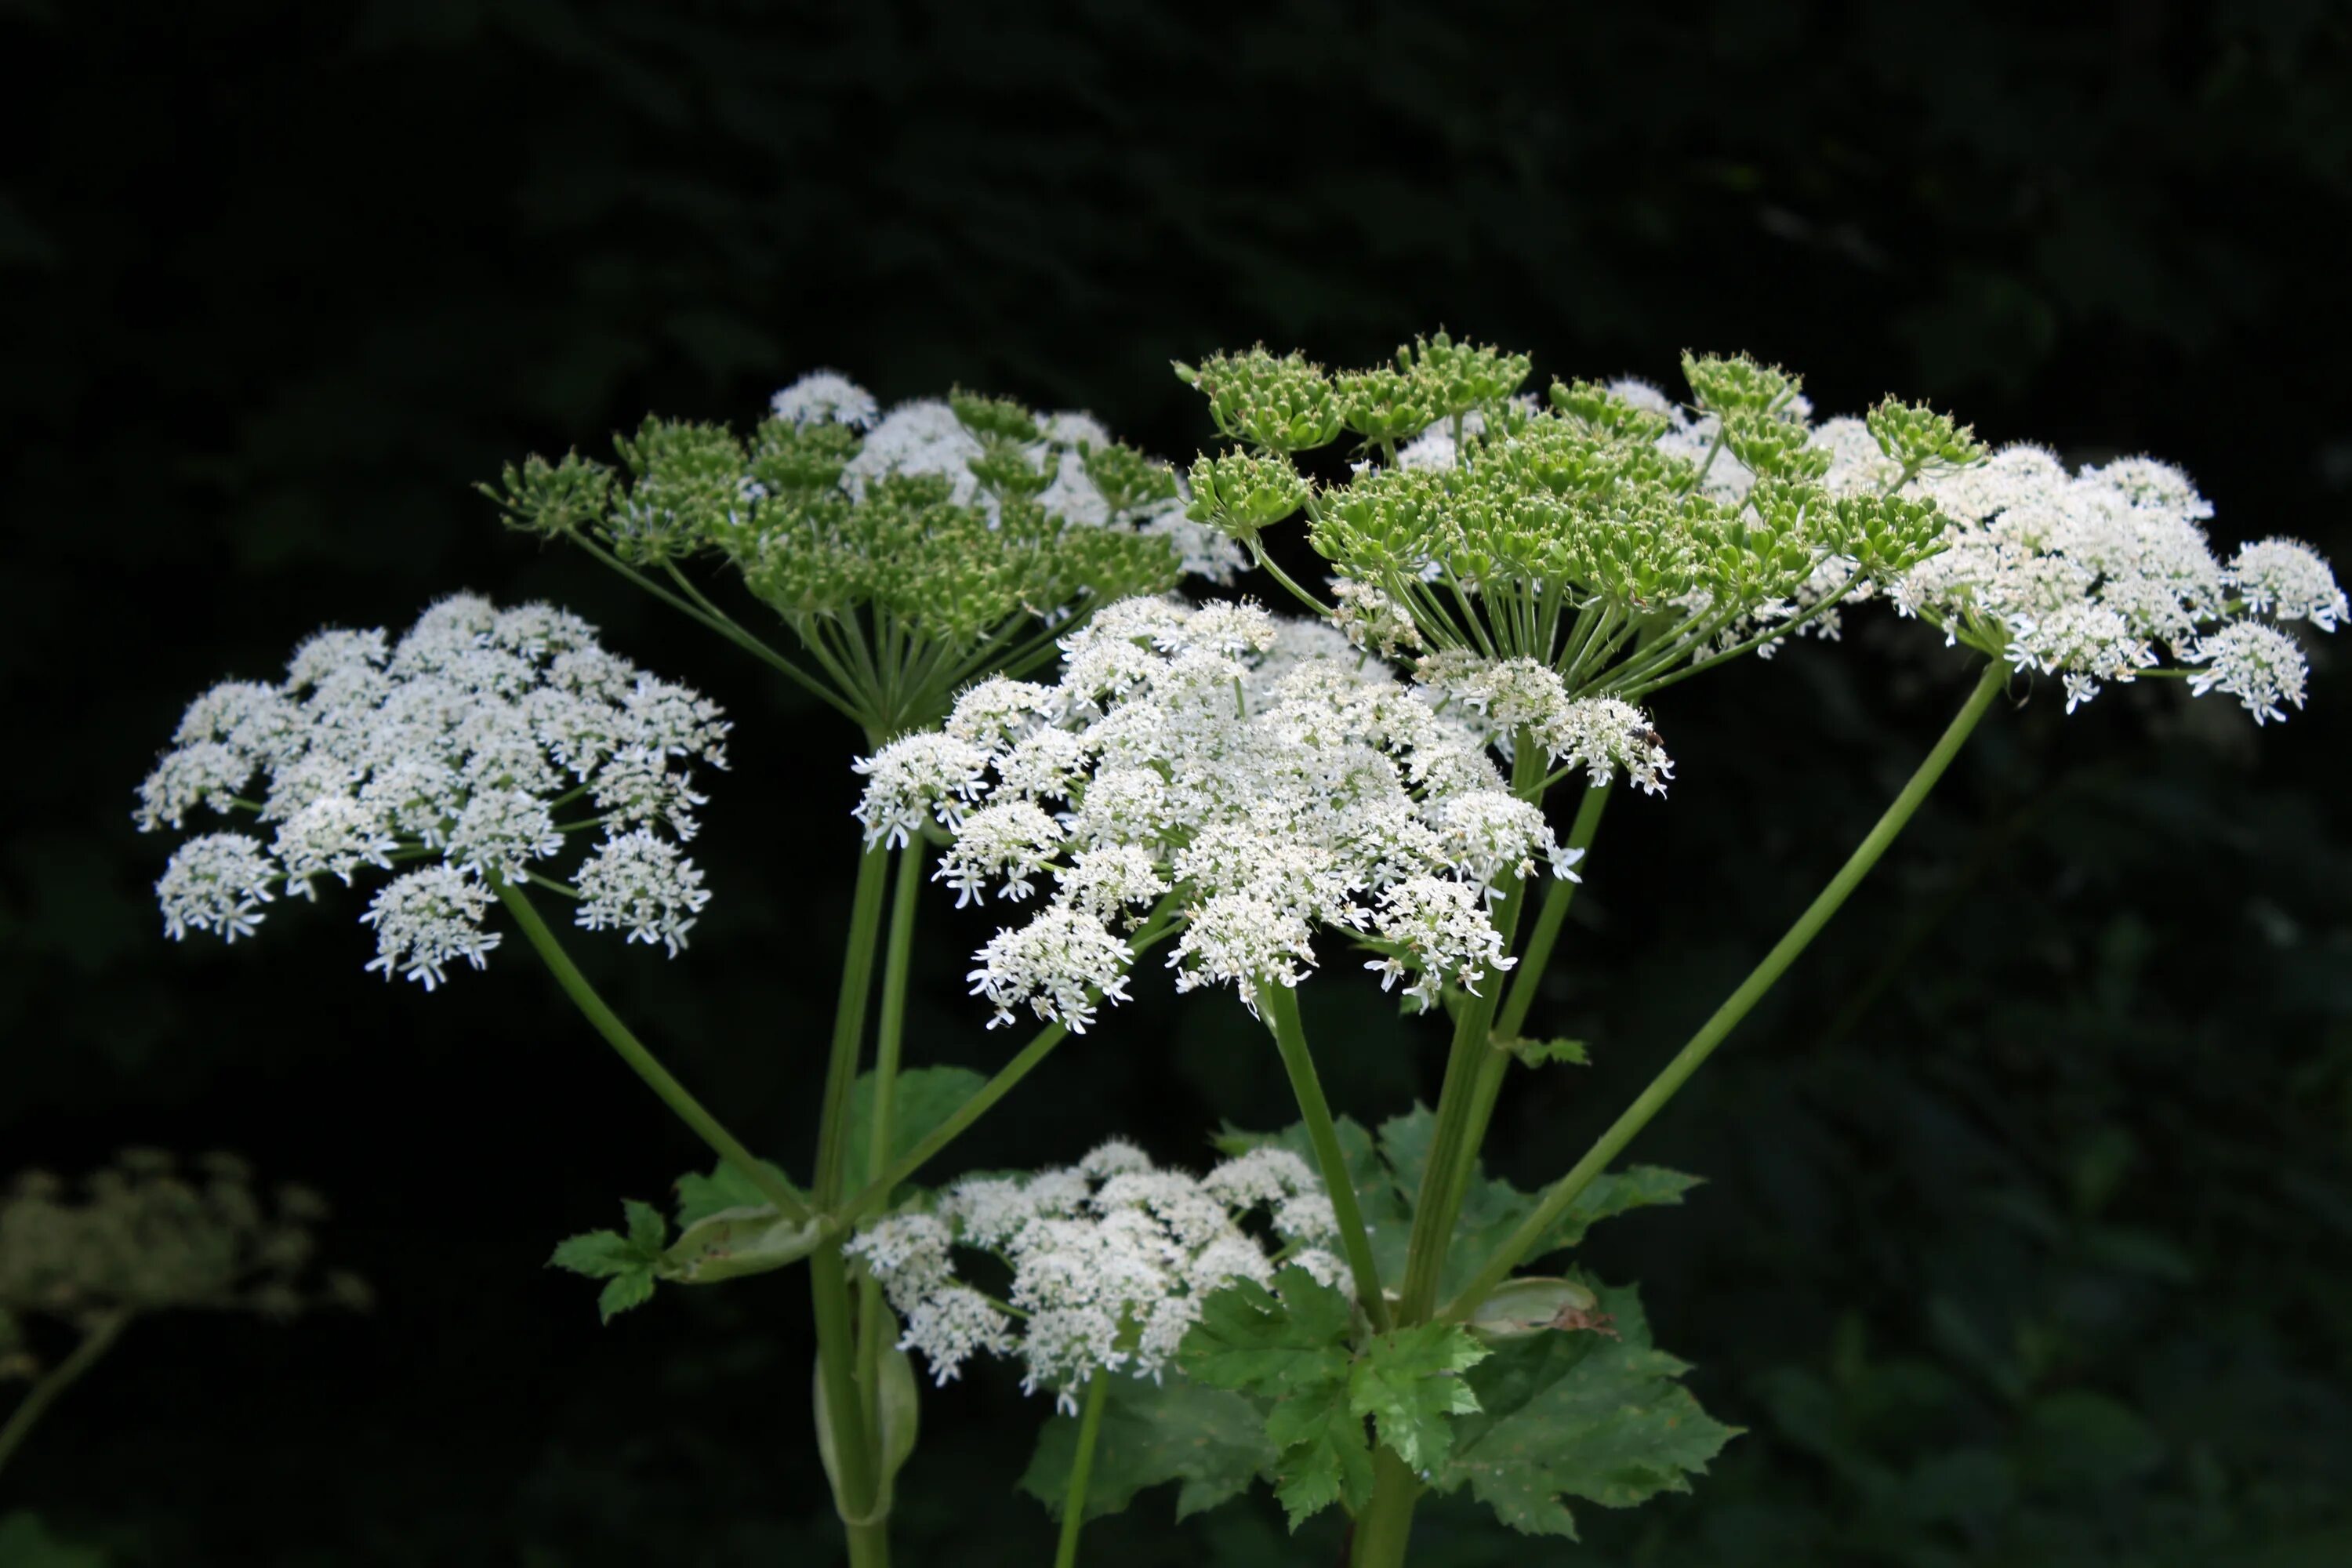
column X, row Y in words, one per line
column 889, row 1036
column 857, row 1458
column 1737, row 1005
column 1452, row 1146
column 1082, row 1470
column 1383, row 1528
column 643, row 1062
column 856, row 1450
column 1279, row 1003
column 57, row 1379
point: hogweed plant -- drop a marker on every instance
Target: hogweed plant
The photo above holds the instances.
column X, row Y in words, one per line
column 990, row 598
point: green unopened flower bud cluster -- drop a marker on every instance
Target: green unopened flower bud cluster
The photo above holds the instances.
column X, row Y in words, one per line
column 942, row 532
column 1609, row 534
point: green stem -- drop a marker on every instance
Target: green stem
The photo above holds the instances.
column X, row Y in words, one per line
column 1385, row 1526
column 849, row 1025
column 875, row 1192
column 631, row 1050
column 1661, row 1088
column 836, row 1339
column 1267, row 563
column 1528, row 976
column 57, row 1379
column 1461, row 1122
column 1494, row 1065
column 1279, row 1003
column 889, row 1034
column 1082, row 1470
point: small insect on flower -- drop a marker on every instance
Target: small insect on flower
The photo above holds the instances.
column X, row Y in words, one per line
column 489, row 744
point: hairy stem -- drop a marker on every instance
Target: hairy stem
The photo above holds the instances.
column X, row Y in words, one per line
column 1735, row 1007
column 57, row 1379
column 1280, row 1004
column 1082, row 1470
column 631, row 1050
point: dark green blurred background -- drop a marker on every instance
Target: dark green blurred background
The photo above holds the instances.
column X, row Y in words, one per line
column 2028, row 1235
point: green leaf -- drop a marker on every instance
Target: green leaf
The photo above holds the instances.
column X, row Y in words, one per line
column 1259, row 1341
column 1386, row 1173
column 648, row 1230
column 600, row 1254
column 1579, row 1415
column 1289, row 1345
column 1212, row 1440
column 1325, row 1456
column 924, row 1097
column 1410, row 1383
column 1539, row 1053
column 633, row 1287
column 629, row 1264
column 701, row 1196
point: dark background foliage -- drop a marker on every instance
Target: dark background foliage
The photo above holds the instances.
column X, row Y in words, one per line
column 2028, row 1235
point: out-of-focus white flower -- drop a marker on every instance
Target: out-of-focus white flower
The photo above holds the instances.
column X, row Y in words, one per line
column 824, row 396
column 1110, row 1259
column 467, row 743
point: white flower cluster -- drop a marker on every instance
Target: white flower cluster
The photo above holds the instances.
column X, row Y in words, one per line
column 458, row 745
column 924, row 435
column 825, row 397
column 1261, row 775
column 2098, row 574
column 1109, row 1259
column 1603, row 735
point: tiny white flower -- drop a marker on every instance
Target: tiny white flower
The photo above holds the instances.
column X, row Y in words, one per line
column 426, row 918
column 640, row 884
column 2258, row 665
column 217, row 882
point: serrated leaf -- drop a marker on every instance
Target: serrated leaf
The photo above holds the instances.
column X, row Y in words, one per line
column 701, row 1196
column 1290, row 1346
column 1260, row 1341
column 1410, row 1383
column 598, row 1254
column 647, row 1230
column 923, row 1098
column 1580, row 1415
column 1541, row 1053
column 633, row 1287
column 1325, row 1456
column 1212, row 1440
